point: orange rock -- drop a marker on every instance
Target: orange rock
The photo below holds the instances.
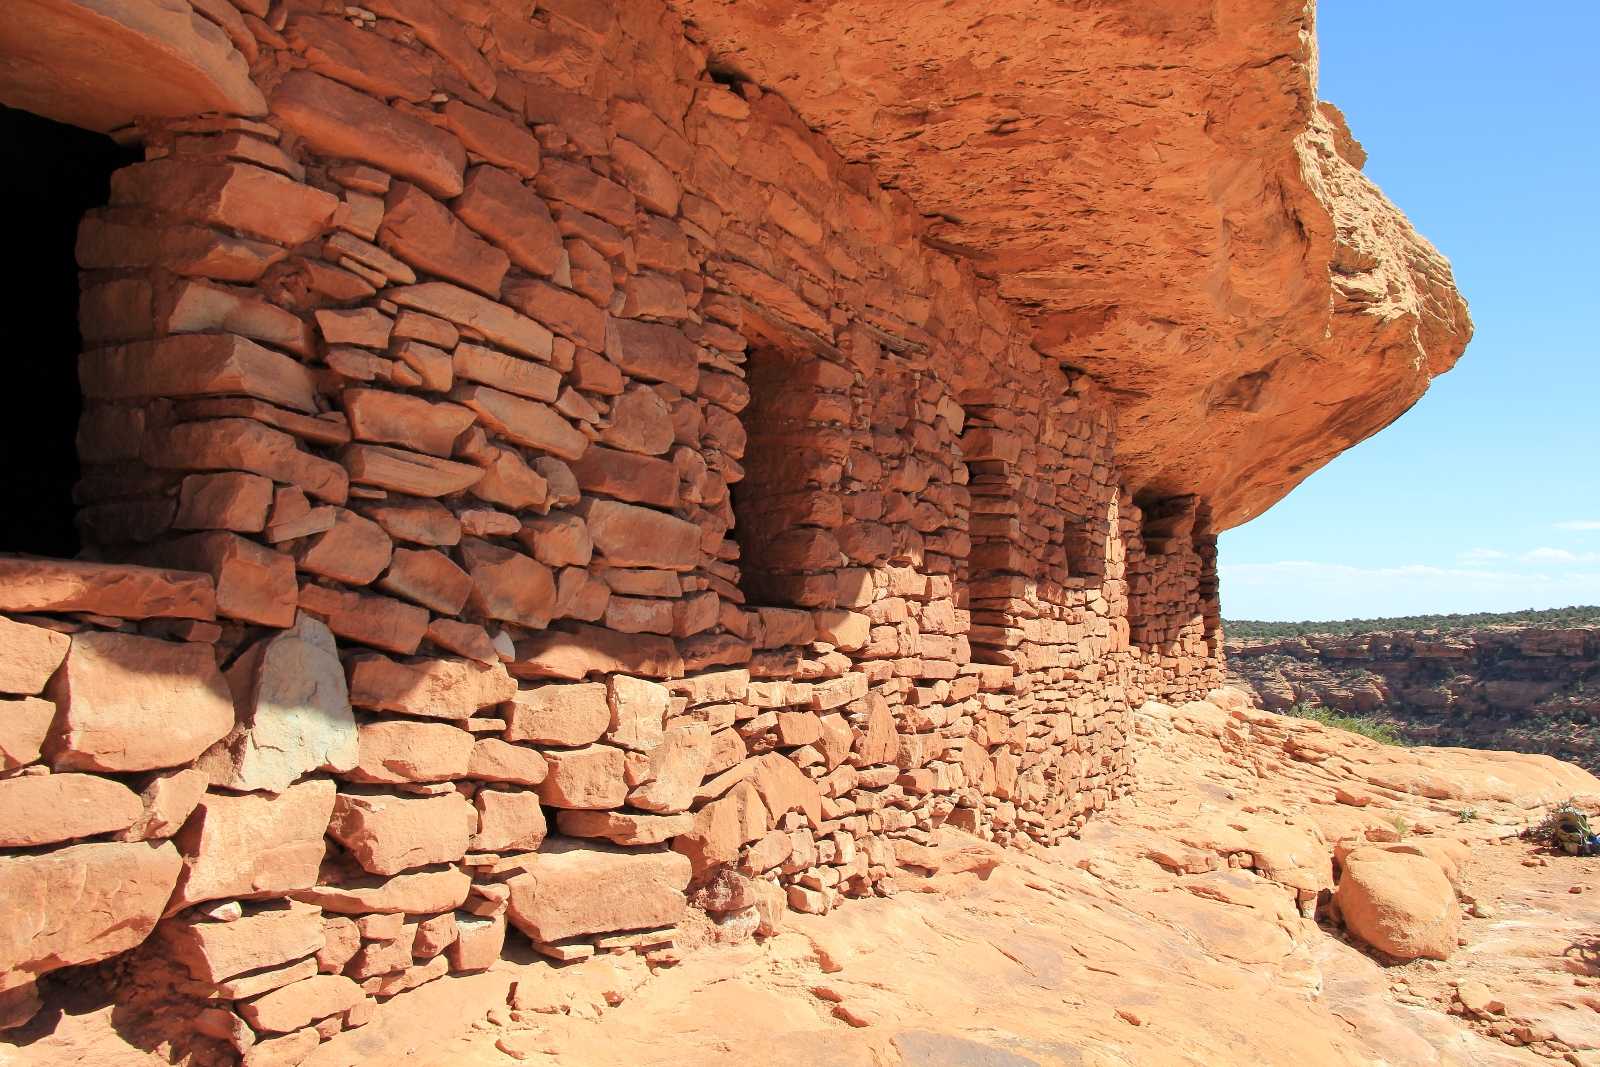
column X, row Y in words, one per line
column 586, row 191
column 723, row 827
column 496, row 140
column 677, row 766
column 231, row 196
column 509, row 481
column 478, row 943
column 400, row 751
column 365, row 61
column 254, row 584
column 29, row 655
column 508, row 821
column 525, row 422
column 253, row 844
column 168, row 801
column 440, row 32
column 24, row 724
column 429, row 579
column 406, row 472
column 355, row 550
column 507, row 373
column 626, row 476
column 593, row 373
column 640, row 422
column 216, row 951
column 421, row 232
column 129, row 703
column 389, row 834
column 629, row 536
column 290, row 1050
column 430, row 688
column 494, row 760
column 1400, row 904
column 576, row 888
column 416, row 893
column 557, row 540
column 229, row 501
column 656, row 353
column 189, row 250
column 464, row 639
column 195, row 365
column 784, row 788
column 623, row 827
column 566, row 715
column 565, row 312
column 340, row 122
column 498, row 323
column 507, row 585
column 510, row 217
column 44, row 809
column 244, row 444
column 579, row 650
column 401, row 419
column 638, row 712
column 587, row 777
column 301, row 1003
column 370, row 620
column 426, row 522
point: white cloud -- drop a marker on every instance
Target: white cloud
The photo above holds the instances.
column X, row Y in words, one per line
column 1578, row 524
column 1302, row 590
column 1480, row 553
column 1557, row 555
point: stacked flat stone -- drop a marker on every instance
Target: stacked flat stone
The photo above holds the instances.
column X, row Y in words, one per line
column 513, row 506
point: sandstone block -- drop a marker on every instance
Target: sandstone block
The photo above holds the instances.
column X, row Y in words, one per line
column 506, row 373
column 354, row 551
column 415, row 893
column 427, row 578
column 695, row 613
column 401, row 751
column 253, row 583
column 300, row 1004
column 290, row 1050
column 635, row 616
column 585, row 190
column 365, row 61
column 120, row 591
column 558, row 540
column 228, row 501
column 784, row 788
column 651, row 182
column 656, row 353
column 82, row 903
column 500, row 142
column 421, row 232
column 365, row 327
column 129, row 703
column 29, row 655
column 1401, row 904
column 434, row 935
column 677, row 766
column 168, row 801
column 217, row 951
column 402, row 419
column 723, row 827
column 244, row 444
column 508, row 822
column 638, row 712
column 478, row 942
column 593, row 373
column 389, row 834
column 370, row 620
column 640, row 422
column 498, row 323
column 430, row 688
column 195, row 365
column 525, row 422
column 578, row 650
column 440, row 32
column 426, row 522
column 340, row 122
column 507, row 585
column 587, row 777
column 568, row 313
column 463, row 638
column 630, row 536
column 230, row 196
column 405, row 472
column 253, row 845
column 494, row 760
column 623, row 827
column 585, row 888
column 44, row 809
column 24, row 725
column 184, row 250
column 565, row 715
column 508, row 481
column 511, row 217
column 627, row 476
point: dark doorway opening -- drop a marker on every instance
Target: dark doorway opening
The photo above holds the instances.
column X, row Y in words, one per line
column 50, row 174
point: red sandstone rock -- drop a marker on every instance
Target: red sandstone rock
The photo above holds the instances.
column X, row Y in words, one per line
column 585, row 888
column 567, row 313
column 229, row 501
column 496, row 140
column 656, row 354
column 217, row 951
column 494, row 760
column 784, row 788
column 629, row 536
column 232, row 196
column 430, row 688
column 420, row 231
column 401, row 751
column 511, row 217
column 558, row 540
column 506, row 373
column 508, row 821
column 168, row 801
column 254, row 584
column 478, row 944
column 355, row 550
column 427, row 522
column 722, row 827
column 566, row 715
column 499, row 324
column 253, row 845
column 243, row 444
column 405, row 472
column 24, row 725
column 370, row 620
column 525, row 422
column 677, row 766
column 638, row 712
column 195, row 365
column 509, row 481
column 588, row 777
column 507, row 585
column 626, row 476
column 198, row 307
column 586, row 191
column 440, row 32
column 416, row 893
column 429, row 579
column 340, row 122
column 388, row 834
column 1401, row 904
column 129, row 703
column 400, row 419
column 624, row 827
column 186, row 250
column 45, row 809
column 301, row 1003
column 581, row 650
column 29, row 655
column 365, row 61
column 640, row 422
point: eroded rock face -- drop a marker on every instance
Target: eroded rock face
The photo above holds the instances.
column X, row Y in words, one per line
column 1159, row 190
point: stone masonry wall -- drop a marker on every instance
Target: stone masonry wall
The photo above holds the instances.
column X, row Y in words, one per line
column 532, row 482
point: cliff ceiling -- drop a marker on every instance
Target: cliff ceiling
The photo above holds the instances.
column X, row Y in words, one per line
column 1156, row 187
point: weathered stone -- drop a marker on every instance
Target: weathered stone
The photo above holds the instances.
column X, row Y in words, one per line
column 82, row 903
column 567, row 313
column 355, row 550
column 651, row 182
column 723, row 827
column 230, row 196
column 577, row 650
column 186, row 250
column 217, row 951
column 365, row 327
column 656, row 353
column 401, row 751
column 228, row 501
column 428, row 578
column 440, row 32
column 588, row 777
column 290, row 1050
column 507, row 373
column 677, row 766
column 244, row 444
column 525, row 422
column 511, row 217
column 129, row 703
column 784, row 788
column 464, row 639
column 624, row 827
column 630, row 536
column 420, row 231
column 508, row 822
column 370, row 620
column 509, row 481
column 297, row 1005
column 168, row 801
column 499, row 324
column 426, row 522
column 640, row 422
column 494, row 760
column 430, row 688
column 478, row 943
column 627, row 476
column 565, row 715
column 434, row 935
column 253, row 845
column 638, row 712
column 47, row 808
column 389, row 834
column 415, row 893
column 29, row 655
column 365, row 61
column 254, row 584
column 401, row 419
column 577, row 888
column 120, row 591
column 507, row 585
column 24, row 725
column 340, row 122
column 496, row 140
column 406, row 472
column 1398, row 903
column 585, row 190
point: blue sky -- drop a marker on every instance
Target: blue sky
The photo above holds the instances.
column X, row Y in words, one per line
column 1479, row 120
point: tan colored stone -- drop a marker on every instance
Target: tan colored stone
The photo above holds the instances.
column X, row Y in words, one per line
column 565, row 715
column 29, row 655
column 389, row 834
column 129, row 703
column 1399, row 903
column 494, row 760
column 401, row 751
column 270, row 937
column 290, row 1050
column 583, row 887
column 587, row 777
column 638, row 712
column 784, row 788
column 44, row 809
column 677, row 766
column 253, row 845
column 415, row 893
column 508, row 821
column 434, row 935
column 511, row 217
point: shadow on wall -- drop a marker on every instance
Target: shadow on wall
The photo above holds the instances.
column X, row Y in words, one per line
column 51, row 173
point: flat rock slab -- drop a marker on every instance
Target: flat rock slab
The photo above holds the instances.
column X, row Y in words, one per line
column 121, row 591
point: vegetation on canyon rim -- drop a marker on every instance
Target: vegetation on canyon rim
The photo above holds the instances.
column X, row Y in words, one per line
column 1380, row 731
column 1554, row 618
